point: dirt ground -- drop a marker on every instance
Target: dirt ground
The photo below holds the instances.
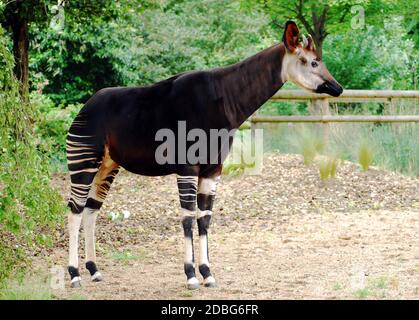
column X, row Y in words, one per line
column 280, row 235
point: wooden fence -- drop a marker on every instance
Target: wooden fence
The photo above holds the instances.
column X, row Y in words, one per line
column 320, row 110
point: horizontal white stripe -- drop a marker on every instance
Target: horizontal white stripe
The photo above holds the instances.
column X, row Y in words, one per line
column 188, row 213
column 91, row 170
column 80, row 160
column 204, row 213
column 208, row 186
column 77, row 136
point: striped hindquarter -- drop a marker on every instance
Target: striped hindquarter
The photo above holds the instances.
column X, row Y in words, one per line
column 92, row 172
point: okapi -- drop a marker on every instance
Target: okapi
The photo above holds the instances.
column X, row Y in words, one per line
column 117, row 128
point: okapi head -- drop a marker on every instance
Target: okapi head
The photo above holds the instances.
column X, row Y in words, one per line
column 303, row 66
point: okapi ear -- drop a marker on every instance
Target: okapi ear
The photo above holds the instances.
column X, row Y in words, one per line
column 310, row 45
column 290, row 37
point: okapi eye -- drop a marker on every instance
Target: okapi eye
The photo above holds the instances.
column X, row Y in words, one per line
column 314, row 64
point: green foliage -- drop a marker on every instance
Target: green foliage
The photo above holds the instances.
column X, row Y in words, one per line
column 397, row 149
column 71, row 63
column 283, row 108
column 52, row 127
column 28, row 206
column 127, row 256
column 110, row 43
column 173, row 37
column 364, row 293
column 372, row 59
column 27, row 289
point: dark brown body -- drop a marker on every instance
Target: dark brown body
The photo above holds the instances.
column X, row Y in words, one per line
column 126, row 119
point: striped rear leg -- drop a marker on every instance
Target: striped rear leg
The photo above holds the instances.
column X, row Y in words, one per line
column 206, row 193
column 187, row 186
column 83, row 164
column 100, row 187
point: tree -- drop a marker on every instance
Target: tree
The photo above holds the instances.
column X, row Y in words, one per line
column 321, row 17
column 142, row 43
column 18, row 15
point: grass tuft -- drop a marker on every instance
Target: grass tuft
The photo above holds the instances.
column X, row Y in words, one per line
column 365, row 155
column 127, row 256
column 327, row 166
column 362, row 293
column 28, row 289
column 310, row 145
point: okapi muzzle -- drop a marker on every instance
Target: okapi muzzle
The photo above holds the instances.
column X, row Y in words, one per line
column 330, row 87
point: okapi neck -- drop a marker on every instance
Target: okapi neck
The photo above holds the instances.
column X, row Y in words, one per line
column 247, row 85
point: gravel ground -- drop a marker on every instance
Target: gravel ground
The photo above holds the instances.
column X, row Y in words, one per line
column 281, row 234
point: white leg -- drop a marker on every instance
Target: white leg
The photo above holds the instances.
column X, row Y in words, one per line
column 74, row 221
column 187, row 222
column 206, row 194
column 89, row 223
column 204, row 218
column 203, row 242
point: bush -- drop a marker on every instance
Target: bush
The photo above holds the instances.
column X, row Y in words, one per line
column 52, row 128
column 29, row 207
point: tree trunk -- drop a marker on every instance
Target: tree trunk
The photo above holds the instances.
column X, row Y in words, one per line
column 319, row 44
column 20, row 52
column 317, row 26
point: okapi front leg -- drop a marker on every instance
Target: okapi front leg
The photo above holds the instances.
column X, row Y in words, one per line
column 206, row 194
column 187, row 186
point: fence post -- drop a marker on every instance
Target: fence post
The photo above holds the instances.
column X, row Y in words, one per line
column 253, row 126
column 393, row 111
column 321, row 107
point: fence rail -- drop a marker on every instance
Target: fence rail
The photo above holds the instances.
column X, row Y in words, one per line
column 327, row 119
column 319, row 106
column 347, row 95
